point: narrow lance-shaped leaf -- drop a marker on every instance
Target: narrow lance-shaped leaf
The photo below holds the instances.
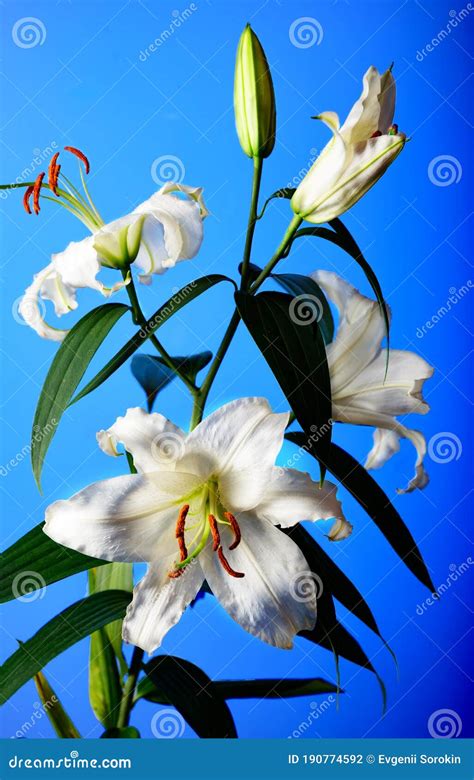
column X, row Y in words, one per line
column 58, row 717
column 284, row 192
column 105, row 690
column 378, row 506
column 152, row 373
column 296, row 353
column 65, row 373
column 35, row 561
column 190, row 690
column 248, row 689
column 72, row 624
column 162, row 315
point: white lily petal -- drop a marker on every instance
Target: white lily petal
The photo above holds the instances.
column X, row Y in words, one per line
column 292, row 497
column 128, row 518
column 398, row 392
column 360, row 331
column 154, row 442
column 386, row 444
column 46, row 284
column 340, row 530
column 374, row 109
column 325, row 171
column 158, row 603
column 267, row 601
column 194, row 193
column 241, row 437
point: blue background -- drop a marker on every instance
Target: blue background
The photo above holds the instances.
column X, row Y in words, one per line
column 87, row 85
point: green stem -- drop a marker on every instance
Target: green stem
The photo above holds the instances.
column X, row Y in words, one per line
column 140, row 319
column 129, row 688
column 201, row 396
column 286, row 240
column 257, row 178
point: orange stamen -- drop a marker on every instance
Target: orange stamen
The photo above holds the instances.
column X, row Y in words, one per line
column 180, row 525
column 215, row 533
column 26, row 198
column 80, row 155
column 226, row 565
column 236, row 529
column 53, row 174
column 36, row 192
column 173, row 575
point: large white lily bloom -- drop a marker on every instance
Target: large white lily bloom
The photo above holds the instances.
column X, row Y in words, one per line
column 159, row 233
column 357, row 155
column 361, row 393
column 204, row 506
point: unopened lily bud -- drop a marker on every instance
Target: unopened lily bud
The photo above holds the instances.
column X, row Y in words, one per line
column 254, row 98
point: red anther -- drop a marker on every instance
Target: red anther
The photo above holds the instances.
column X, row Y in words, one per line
column 55, row 179
column 26, row 198
column 226, row 565
column 79, row 154
column 175, row 573
column 215, row 532
column 36, row 192
column 236, row 529
column 180, row 525
column 52, row 177
column 376, row 134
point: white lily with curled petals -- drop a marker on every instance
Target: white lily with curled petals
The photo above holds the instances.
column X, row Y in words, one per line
column 361, row 393
column 357, row 155
column 159, row 233
column 204, row 506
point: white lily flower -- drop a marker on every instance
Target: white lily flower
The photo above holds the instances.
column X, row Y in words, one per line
column 361, row 393
column 204, row 506
column 357, row 155
column 159, row 233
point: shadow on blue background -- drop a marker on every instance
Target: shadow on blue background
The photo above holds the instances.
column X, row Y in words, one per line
column 93, row 84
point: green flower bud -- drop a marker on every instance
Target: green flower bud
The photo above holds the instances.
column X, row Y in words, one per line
column 254, row 98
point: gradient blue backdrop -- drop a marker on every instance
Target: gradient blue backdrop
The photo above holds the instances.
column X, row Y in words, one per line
column 88, row 85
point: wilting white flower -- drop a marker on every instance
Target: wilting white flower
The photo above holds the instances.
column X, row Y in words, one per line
column 204, row 506
column 361, row 393
column 357, row 155
column 159, row 233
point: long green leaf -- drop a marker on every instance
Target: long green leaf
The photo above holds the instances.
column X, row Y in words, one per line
column 37, row 555
column 105, row 689
column 74, row 623
column 58, row 717
column 152, row 373
column 65, row 373
column 284, row 192
column 342, row 238
column 190, row 690
column 248, row 689
column 295, row 351
column 162, row 315
column 312, row 297
column 378, row 506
